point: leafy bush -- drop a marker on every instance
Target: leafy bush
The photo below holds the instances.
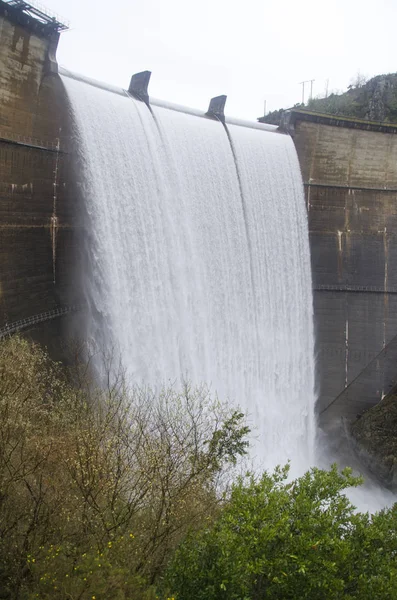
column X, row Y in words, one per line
column 280, row 540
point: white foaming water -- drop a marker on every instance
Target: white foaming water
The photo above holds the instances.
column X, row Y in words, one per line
column 200, row 260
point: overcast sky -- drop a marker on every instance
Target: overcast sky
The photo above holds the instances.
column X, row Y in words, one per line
column 251, row 50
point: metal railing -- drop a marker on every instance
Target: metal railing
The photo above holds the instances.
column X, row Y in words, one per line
column 23, row 140
column 40, row 12
column 353, row 288
column 16, row 326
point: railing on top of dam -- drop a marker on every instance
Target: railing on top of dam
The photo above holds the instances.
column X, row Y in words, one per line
column 16, row 326
column 40, row 13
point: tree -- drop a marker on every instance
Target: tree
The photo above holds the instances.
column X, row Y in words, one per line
column 98, row 486
column 281, row 540
column 357, row 81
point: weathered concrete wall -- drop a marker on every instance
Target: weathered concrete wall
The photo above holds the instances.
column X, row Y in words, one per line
column 22, row 59
column 37, row 240
column 350, row 177
column 346, row 156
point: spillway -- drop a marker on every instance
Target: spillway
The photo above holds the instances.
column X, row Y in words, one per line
column 199, row 259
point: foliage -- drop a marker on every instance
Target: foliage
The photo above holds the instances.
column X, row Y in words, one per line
column 286, row 540
column 376, row 433
column 62, row 571
column 374, row 100
column 273, row 117
column 99, row 486
column 358, row 81
column 338, row 104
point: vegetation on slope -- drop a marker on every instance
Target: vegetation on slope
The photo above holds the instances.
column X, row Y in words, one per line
column 98, row 487
column 124, row 494
column 375, row 434
column 373, row 100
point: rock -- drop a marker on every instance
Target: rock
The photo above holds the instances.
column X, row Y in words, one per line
column 374, row 437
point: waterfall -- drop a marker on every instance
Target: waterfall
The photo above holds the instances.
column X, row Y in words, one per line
column 200, row 264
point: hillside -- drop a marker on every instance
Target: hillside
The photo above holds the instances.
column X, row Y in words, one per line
column 375, row 100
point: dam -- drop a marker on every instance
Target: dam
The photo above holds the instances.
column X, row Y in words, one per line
column 350, row 189
column 198, row 260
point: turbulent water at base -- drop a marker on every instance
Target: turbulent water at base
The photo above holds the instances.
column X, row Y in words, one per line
column 200, row 263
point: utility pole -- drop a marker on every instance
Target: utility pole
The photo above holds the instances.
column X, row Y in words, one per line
column 326, row 88
column 264, row 109
column 302, row 83
column 311, row 88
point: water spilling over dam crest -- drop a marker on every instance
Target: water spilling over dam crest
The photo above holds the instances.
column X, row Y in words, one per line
column 199, row 259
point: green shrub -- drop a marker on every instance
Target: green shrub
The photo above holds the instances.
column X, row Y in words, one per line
column 279, row 540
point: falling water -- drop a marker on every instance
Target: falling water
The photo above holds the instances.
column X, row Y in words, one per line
column 200, row 259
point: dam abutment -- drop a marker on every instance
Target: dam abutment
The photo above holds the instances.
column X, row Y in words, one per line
column 349, row 170
column 38, row 221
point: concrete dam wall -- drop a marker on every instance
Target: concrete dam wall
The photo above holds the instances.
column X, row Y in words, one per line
column 36, row 209
column 349, row 170
column 350, row 174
